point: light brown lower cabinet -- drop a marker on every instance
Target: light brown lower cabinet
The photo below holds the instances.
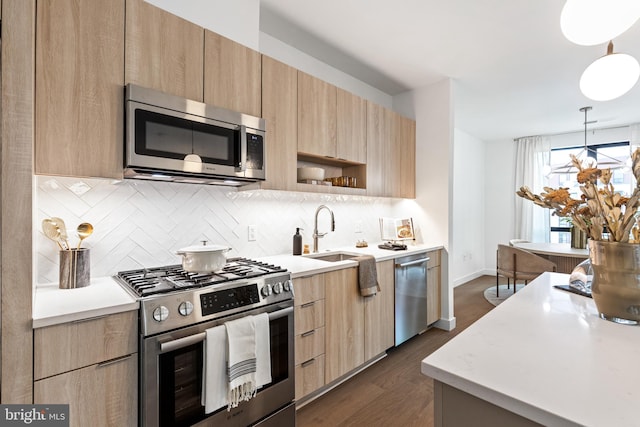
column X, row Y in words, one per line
column 379, row 313
column 105, row 394
column 309, row 376
column 309, row 333
column 92, row 365
column 344, row 320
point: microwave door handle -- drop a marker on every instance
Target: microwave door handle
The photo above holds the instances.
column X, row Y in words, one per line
column 243, row 149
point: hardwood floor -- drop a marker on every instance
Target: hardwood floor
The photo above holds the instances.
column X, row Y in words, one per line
column 393, row 392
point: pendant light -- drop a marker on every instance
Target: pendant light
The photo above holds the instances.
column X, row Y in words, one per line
column 610, row 76
column 592, row 22
column 587, row 161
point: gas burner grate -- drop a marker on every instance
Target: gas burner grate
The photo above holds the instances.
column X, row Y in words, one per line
column 160, row 280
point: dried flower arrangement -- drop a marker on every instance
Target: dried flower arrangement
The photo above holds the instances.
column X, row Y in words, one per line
column 598, row 206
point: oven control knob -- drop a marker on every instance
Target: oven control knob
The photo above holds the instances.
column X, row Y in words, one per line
column 160, row 313
column 277, row 288
column 266, row 290
column 185, row 308
column 288, row 285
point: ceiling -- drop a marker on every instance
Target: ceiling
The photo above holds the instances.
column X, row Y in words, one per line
column 514, row 73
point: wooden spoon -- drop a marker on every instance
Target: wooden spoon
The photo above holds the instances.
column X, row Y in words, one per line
column 84, row 230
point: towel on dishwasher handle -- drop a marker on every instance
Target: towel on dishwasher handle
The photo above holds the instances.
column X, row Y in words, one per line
column 214, row 373
column 367, row 275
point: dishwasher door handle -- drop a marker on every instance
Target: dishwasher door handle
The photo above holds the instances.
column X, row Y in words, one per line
column 417, row 261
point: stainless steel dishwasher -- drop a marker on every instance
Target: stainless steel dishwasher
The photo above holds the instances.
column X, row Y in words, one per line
column 411, row 296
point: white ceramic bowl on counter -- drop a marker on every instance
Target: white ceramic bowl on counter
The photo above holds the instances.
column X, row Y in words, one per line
column 310, row 173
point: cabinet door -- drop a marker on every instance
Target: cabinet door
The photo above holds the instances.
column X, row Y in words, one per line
column 79, row 88
column 163, row 52
column 73, row 345
column 344, row 323
column 309, row 376
column 379, row 313
column 316, row 116
column 403, row 161
column 105, row 394
column 378, row 149
column 351, row 127
column 280, row 111
column 232, row 74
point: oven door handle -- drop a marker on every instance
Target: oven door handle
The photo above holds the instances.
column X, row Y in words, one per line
column 196, row 338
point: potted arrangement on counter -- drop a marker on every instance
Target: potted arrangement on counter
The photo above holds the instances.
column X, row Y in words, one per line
column 610, row 222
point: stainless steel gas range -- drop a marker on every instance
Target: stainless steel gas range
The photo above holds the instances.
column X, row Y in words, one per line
column 177, row 307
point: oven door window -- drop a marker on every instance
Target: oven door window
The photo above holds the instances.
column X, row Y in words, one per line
column 160, row 135
column 180, row 386
column 180, row 377
column 279, row 350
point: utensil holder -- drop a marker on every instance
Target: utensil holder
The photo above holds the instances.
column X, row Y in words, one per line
column 74, row 268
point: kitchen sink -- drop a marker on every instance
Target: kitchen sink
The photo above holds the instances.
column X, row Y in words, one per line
column 333, row 256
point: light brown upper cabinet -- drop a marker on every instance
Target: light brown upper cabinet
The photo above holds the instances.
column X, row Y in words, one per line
column 351, row 130
column 378, row 149
column 79, row 93
column 316, row 116
column 280, row 109
column 231, row 75
column 403, row 161
column 391, row 148
column 163, row 52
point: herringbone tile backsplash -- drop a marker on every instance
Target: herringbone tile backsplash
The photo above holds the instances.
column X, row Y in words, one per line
column 142, row 223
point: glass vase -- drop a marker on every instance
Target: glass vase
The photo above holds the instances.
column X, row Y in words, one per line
column 616, row 280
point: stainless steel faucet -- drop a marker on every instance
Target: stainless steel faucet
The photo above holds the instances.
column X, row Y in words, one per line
column 317, row 235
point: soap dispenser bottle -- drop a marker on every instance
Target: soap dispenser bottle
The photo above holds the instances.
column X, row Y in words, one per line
column 297, row 242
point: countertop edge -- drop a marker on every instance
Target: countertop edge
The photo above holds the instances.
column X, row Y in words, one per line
column 494, row 397
column 84, row 315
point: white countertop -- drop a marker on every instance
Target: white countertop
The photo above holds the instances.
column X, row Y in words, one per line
column 546, row 355
column 103, row 296
column 305, row 265
column 557, row 249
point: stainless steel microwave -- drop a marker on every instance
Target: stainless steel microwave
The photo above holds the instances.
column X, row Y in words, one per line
column 176, row 139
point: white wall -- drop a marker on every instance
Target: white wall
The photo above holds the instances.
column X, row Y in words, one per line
column 467, row 247
column 432, row 107
column 499, row 198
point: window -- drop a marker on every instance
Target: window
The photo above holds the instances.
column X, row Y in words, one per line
column 607, row 155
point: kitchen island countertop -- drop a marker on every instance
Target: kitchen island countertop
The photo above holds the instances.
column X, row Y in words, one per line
column 546, row 355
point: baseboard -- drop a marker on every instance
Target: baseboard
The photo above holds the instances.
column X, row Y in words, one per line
column 446, row 324
column 462, row 280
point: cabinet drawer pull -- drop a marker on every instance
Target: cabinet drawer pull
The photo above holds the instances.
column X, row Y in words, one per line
column 307, row 363
column 89, row 319
column 112, row 361
column 308, row 333
column 307, row 305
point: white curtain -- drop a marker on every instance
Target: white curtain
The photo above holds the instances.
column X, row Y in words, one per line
column 532, row 155
column 634, row 140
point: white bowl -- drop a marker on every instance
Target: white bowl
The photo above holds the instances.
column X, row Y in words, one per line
column 307, row 172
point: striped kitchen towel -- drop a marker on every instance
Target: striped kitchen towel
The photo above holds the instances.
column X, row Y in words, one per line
column 241, row 360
